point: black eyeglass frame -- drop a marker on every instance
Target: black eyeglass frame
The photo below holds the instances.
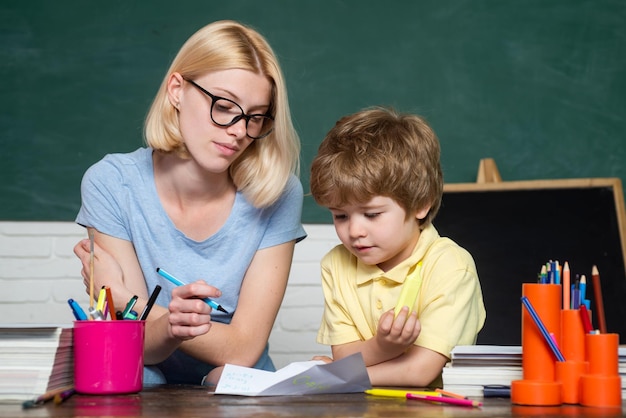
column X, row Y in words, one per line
column 236, row 119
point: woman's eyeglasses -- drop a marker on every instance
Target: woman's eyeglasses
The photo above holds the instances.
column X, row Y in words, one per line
column 225, row 112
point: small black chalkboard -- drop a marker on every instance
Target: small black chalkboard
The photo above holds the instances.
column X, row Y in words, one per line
column 512, row 228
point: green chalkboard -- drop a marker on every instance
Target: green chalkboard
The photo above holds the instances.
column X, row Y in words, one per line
column 540, row 86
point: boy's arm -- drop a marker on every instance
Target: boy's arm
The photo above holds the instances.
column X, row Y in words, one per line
column 394, row 336
column 391, row 357
column 418, row 367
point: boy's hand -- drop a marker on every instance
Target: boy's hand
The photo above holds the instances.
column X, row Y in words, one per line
column 397, row 333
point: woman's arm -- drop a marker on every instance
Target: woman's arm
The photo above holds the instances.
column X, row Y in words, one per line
column 240, row 342
column 116, row 266
column 244, row 339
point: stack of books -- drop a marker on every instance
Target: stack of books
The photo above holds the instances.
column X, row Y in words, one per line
column 472, row 367
column 622, row 368
column 34, row 359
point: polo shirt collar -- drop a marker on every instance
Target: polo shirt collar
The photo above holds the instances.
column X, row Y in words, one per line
column 367, row 272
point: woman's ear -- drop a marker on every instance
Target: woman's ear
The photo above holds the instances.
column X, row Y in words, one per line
column 174, row 89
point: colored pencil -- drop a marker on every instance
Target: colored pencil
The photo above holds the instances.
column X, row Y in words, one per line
column 597, row 293
column 59, row 398
column 399, row 393
column 557, row 272
column 443, row 399
column 584, row 316
column 48, row 396
column 91, row 267
column 542, row 328
column 450, row 394
column 582, row 286
column 543, row 275
column 566, row 285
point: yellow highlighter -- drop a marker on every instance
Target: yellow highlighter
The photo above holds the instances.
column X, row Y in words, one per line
column 399, row 393
column 102, row 297
column 410, row 289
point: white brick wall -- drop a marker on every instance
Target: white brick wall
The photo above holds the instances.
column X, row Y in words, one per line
column 39, row 272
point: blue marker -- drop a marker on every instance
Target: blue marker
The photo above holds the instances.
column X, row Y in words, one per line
column 177, row 282
column 79, row 314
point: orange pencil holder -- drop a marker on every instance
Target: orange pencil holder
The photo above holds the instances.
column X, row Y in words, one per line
column 539, row 385
column 573, row 348
column 601, row 386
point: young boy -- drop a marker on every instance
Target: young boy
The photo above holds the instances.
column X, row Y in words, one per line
column 379, row 174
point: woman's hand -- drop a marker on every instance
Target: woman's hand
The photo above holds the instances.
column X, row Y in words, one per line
column 109, row 272
column 212, row 379
column 190, row 315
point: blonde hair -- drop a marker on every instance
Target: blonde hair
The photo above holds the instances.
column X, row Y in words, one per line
column 379, row 152
column 263, row 169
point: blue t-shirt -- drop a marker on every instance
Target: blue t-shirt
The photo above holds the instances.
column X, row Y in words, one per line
column 119, row 198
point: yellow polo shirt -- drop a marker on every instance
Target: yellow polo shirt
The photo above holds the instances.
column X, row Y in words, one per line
column 449, row 304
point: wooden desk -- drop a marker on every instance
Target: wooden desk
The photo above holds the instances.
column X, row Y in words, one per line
column 195, row 401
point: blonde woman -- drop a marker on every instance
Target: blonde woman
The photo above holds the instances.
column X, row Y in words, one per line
column 214, row 200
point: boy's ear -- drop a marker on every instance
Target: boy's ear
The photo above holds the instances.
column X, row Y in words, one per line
column 421, row 213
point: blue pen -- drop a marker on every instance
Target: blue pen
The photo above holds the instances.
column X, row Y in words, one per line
column 79, row 314
column 177, row 282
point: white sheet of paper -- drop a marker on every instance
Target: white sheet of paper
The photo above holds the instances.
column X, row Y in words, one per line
column 300, row 378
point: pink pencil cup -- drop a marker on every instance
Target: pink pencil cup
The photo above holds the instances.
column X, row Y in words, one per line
column 108, row 356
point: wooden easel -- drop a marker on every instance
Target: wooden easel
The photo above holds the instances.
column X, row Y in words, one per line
column 488, row 171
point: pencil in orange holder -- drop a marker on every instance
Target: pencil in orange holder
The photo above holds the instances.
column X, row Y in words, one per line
column 539, row 385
